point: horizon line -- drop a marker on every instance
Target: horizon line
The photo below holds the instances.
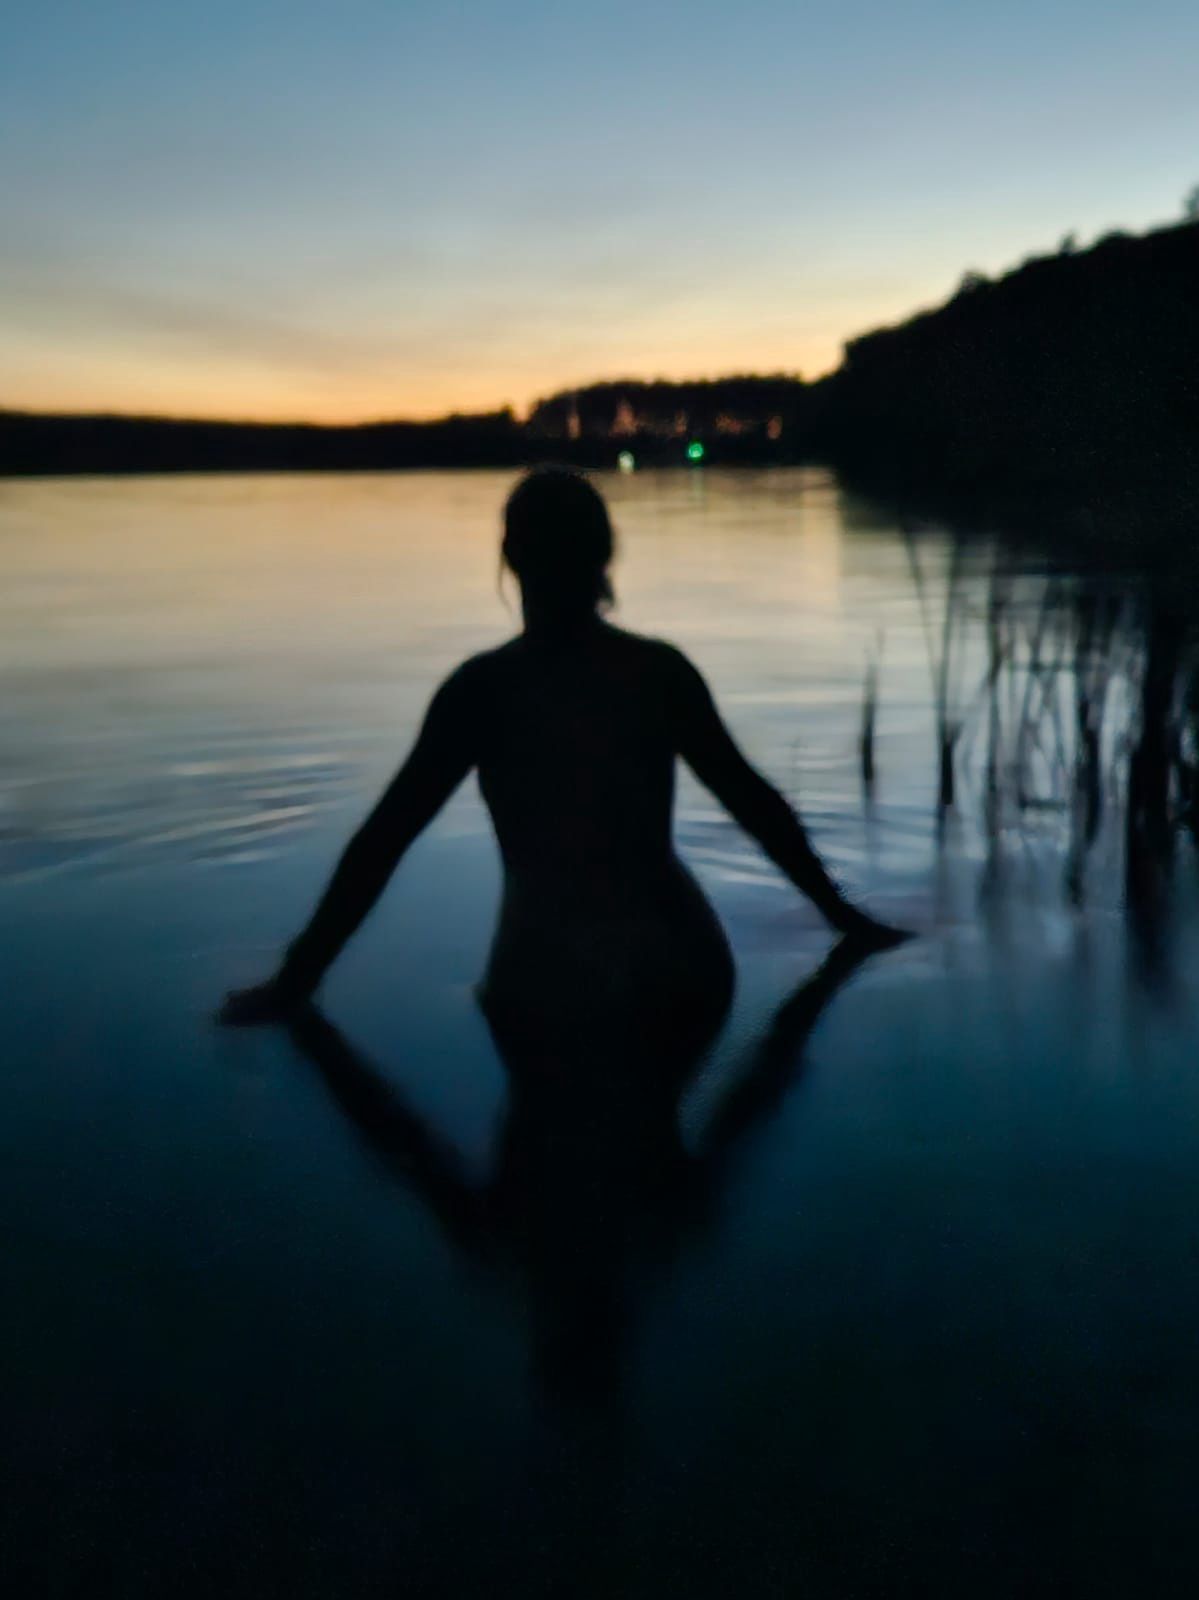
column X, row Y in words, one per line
column 107, row 414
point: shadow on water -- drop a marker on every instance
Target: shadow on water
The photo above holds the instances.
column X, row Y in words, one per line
column 592, row 1196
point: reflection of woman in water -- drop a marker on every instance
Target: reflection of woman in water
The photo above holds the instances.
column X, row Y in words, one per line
column 573, row 726
column 593, row 1188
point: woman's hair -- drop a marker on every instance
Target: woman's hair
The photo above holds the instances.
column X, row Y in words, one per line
column 558, row 540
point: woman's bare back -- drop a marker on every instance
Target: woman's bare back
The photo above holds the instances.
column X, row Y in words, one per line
column 574, row 728
column 574, row 734
column 575, row 745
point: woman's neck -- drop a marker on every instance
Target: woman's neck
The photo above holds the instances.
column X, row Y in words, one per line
column 555, row 623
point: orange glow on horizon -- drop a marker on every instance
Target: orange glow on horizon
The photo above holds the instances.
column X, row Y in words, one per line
column 148, row 387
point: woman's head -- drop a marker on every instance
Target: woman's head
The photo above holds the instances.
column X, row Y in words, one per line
column 558, row 541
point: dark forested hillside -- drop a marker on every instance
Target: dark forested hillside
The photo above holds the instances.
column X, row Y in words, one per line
column 1076, row 373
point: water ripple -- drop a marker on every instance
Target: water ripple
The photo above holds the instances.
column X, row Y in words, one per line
column 215, row 806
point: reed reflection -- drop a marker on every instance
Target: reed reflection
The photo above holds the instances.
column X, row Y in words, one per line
column 1065, row 704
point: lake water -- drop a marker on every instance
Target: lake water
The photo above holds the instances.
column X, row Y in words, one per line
column 934, row 1331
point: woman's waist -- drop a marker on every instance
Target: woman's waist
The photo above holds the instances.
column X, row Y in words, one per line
column 614, row 961
column 595, row 885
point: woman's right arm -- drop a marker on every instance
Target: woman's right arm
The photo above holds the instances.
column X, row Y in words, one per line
column 443, row 754
column 708, row 748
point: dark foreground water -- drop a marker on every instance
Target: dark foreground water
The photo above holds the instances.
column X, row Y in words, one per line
column 933, row 1330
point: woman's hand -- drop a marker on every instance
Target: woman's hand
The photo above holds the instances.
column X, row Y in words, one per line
column 272, row 1001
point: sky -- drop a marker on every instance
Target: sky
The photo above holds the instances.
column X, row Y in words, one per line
column 369, row 208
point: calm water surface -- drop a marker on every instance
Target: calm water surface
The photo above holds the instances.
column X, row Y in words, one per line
column 937, row 1332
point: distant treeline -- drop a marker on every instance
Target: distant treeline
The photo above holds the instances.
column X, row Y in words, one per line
column 1075, row 374
column 37, row 443
column 730, row 416
column 737, row 419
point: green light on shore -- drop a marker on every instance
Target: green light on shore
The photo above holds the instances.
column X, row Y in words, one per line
column 695, row 451
column 626, row 461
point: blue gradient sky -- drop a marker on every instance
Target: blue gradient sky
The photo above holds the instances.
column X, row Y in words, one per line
column 283, row 208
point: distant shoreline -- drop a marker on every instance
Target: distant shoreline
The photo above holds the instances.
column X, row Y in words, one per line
column 1072, row 380
column 39, row 444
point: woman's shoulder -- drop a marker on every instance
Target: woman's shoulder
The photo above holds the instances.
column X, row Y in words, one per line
column 659, row 668
column 467, row 680
column 497, row 671
column 643, row 656
column 659, row 656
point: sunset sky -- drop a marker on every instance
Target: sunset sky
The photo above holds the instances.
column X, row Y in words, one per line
column 278, row 208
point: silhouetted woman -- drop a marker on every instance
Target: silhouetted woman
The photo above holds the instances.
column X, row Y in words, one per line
column 574, row 727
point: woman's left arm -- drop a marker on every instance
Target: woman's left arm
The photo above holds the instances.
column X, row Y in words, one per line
column 443, row 754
